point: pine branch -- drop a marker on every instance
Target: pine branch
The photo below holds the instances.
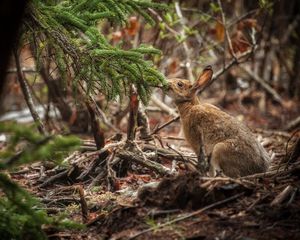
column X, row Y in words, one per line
column 83, row 52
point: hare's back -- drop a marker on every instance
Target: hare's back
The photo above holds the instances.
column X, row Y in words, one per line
column 219, row 124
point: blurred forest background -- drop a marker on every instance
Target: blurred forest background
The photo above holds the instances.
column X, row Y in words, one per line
column 96, row 69
column 258, row 71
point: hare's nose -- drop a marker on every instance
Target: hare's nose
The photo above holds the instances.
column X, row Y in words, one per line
column 167, row 86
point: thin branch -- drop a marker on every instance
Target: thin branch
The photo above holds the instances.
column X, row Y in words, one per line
column 189, row 215
column 242, row 17
column 200, row 12
column 83, row 203
column 158, row 168
column 279, row 199
column 143, row 124
column 230, row 24
column 11, row 161
column 159, row 18
column 99, row 112
column 163, row 106
column 226, row 30
column 27, row 95
column 263, row 84
column 169, row 154
column 179, row 154
column 188, row 64
column 103, row 116
column 157, row 129
column 96, row 129
column 55, row 178
column 293, row 124
column 290, row 30
column 111, row 174
column 244, row 56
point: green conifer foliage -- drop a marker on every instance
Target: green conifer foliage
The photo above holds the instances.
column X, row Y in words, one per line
column 21, row 216
column 70, row 29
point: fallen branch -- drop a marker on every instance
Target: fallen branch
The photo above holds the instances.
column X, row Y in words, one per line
column 189, row 215
column 84, row 207
column 97, row 179
column 273, row 132
column 102, row 153
column 59, row 201
column 55, row 178
column 293, row 124
column 97, row 162
column 170, row 154
column 282, row 196
column 94, row 220
column 110, row 173
column 272, row 173
column 174, row 161
column 130, row 156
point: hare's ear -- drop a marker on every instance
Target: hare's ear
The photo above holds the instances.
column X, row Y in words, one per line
column 203, row 79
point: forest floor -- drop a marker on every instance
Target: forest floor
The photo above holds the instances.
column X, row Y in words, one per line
column 185, row 206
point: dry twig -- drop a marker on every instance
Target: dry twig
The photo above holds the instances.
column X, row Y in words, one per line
column 226, row 31
column 188, row 63
column 158, row 128
column 27, row 95
column 243, row 57
column 282, row 196
column 263, row 84
column 164, row 107
column 295, row 123
column 130, row 156
column 189, row 215
column 84, row 207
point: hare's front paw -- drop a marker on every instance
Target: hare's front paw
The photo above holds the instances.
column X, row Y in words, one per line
column 215, row 171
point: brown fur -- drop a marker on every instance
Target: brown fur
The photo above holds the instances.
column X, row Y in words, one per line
column 232, row 148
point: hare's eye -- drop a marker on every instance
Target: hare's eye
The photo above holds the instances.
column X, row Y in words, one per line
column 180, row 84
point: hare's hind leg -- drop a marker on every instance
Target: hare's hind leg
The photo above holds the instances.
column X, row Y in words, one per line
column 216, row 154
column 226, row 158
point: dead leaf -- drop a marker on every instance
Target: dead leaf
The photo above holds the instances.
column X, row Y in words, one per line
column 173, row 66
column 133, row 26
column 219, row 31
column 239, row 42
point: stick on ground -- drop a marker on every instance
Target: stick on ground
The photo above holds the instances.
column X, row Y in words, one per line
column 84, row 207
column 189, row 215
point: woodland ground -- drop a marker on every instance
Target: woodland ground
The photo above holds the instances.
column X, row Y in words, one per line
column 265, row 206
column 259, row 89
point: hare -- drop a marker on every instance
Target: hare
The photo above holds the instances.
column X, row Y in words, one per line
column 229, row 145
